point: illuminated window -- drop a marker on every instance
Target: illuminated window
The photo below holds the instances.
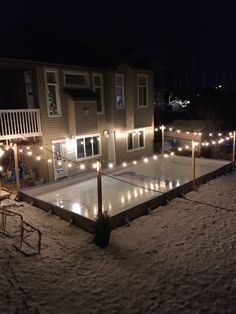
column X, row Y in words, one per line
column 53, row 97
column 88, row 146
column 142, row 90
column 120, row 91
column 98, row 89
column 135, row 139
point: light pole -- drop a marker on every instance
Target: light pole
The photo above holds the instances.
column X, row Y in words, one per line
column 162, row 138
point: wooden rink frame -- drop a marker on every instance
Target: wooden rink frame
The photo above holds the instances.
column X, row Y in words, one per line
column 129, row 214
column 24, row 228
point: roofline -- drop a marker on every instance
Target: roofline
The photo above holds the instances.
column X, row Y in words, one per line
column 51, row 64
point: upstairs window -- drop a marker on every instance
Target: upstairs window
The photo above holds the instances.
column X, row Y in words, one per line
column 142, row 90
column 135, row 139
column 88, row 146
column 76, row 80
column 120, row 91
column 98, row 89
column 29, row 89
column 53, row 96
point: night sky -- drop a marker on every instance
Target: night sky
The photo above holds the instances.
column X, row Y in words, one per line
column 197, row 37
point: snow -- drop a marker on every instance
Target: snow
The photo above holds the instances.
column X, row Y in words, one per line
column 180, row 259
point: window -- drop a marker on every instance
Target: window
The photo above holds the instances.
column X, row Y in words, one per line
column 76, row 80
column 98, row 89
column 120, row 92
column 142, row 90
column 53, row 99
column 88, row 146
column 29, row 89
column 135, row 139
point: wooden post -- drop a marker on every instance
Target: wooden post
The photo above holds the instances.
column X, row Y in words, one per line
column 99, row 188
column 233, row 157
column 16, row 159
column 193, row 164
column 1, row 154
column 162, row 139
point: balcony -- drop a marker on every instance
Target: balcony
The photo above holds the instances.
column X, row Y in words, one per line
column 20, row 123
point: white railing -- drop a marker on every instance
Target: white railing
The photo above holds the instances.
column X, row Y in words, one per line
column 19, row 123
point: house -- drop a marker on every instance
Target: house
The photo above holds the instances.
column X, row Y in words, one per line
column 70, row 116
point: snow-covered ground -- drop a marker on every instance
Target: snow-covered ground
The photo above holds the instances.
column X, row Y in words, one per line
column 180, row 259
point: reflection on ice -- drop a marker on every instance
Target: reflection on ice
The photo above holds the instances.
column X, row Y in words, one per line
column 128, row 187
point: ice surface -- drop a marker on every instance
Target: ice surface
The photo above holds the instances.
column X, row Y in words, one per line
column 129, row 186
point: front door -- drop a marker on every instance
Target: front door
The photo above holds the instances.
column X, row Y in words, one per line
column 59, row 159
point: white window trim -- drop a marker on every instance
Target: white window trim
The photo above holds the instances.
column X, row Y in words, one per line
column 86, row 74
column 123, row 90
column 57, row 84
column 144, row 140
column 102, row 93
column 138, row 76
column 83, row 137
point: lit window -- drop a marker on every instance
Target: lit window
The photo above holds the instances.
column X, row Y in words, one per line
column 88, row 146
column 98, row 89
column 135, row 139
column 53, row 97
column 120, row 92
column 142, row 90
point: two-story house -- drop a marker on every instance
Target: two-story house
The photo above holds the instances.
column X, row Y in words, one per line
column 75, row 115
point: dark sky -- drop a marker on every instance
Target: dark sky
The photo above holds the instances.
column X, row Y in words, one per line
column 198, row 35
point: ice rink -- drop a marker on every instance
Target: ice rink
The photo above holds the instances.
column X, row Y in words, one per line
column 128, row 186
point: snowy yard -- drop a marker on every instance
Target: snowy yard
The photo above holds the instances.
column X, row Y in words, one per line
column 180, row 259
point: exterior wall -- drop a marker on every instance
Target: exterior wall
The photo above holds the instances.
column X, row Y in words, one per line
column 122, row 154
column 81, row 118
column 86, row 120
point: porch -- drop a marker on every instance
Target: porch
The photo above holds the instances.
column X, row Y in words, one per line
column 19, row 123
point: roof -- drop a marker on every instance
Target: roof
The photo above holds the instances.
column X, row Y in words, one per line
column 81, row 93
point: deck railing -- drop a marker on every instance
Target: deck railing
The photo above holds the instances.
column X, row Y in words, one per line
column 19, row 123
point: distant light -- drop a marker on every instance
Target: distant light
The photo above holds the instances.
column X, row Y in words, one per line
column 155, row 157
column 82, row 166
column 69, row 165
column 110, row 165
column 172, row 153
column 124, row 164
column 49, row 160
column 29, row 153
column 135, row 162
column 41, row 147
column 38, row 158
column 165, row 155
column 94, row 165
column 145, row 160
